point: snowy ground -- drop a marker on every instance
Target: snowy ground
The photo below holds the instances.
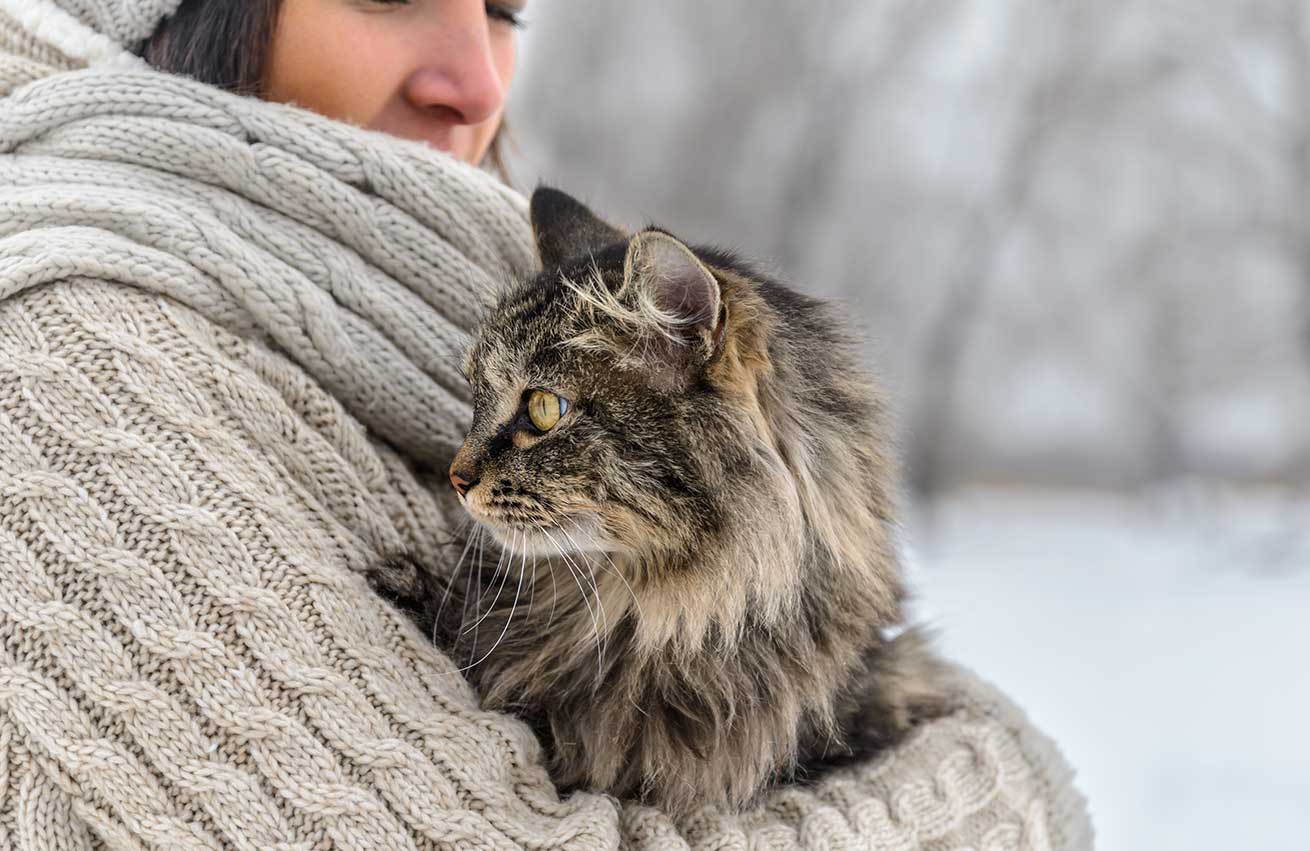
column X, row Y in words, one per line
column 1161, row 641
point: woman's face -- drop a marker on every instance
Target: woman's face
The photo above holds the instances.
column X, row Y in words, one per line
column 432, row 70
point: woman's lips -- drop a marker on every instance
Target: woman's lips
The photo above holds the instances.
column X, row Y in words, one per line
column 441, row 141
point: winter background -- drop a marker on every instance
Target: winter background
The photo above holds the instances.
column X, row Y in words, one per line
column 1077, row 234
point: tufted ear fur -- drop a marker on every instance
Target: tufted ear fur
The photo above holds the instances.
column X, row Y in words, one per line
column 565, row 228
column 670, row 284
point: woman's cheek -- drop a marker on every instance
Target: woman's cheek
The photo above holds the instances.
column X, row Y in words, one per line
column 334, row 60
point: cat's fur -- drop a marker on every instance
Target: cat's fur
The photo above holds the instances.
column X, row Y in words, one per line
column 723, row 491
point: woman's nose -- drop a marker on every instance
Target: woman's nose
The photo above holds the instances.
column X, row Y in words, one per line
column 458, row 73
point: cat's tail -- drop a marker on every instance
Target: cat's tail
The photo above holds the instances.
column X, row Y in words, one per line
column 911, row 678
column 900, row 683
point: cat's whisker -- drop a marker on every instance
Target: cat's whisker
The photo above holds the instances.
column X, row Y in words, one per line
column 598, row 614
column 595, row 586
column 603, row 637
column 481, row 542
column 523, row 570
column 458, row 531
column 602, row 621
column 503, row 580
column 468, row 583
column 614, row 568
column 508, row 621
column 532, row 583
column 594, row 622
column 477, row 603
column 554, row 590
column 468, row 596
column 445, row 597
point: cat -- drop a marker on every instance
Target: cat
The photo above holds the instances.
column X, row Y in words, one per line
column 692, row 455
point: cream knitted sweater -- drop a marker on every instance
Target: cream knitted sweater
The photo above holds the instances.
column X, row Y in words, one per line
column 229, row 333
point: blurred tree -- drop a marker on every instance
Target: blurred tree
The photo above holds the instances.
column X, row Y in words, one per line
column 1079, row 231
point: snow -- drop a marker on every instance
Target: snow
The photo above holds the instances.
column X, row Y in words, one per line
column 1160, row 640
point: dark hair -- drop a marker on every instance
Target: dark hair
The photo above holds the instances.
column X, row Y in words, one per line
column 226, row 43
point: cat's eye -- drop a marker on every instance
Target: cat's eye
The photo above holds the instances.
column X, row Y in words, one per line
column 546, row 408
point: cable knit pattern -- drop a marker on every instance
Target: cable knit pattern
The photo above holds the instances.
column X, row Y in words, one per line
column 229, row 340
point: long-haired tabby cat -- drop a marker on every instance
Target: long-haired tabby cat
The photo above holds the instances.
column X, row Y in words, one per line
column 686, row 470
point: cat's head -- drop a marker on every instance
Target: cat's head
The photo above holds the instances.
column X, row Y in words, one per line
column 644, row 398
column 596, row 423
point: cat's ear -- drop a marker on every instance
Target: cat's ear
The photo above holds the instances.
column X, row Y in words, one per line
column 565, row 228
column 664, row 274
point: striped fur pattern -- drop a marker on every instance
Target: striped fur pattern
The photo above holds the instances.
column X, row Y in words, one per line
column 685, row 585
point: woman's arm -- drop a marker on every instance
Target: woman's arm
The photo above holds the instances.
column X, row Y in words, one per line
column 190, row 660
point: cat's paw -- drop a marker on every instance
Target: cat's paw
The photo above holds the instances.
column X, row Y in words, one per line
column 397, row 578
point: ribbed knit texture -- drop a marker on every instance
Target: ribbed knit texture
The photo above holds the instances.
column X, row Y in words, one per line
column 229, row 339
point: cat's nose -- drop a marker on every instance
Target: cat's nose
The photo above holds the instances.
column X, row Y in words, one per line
column 463, row 480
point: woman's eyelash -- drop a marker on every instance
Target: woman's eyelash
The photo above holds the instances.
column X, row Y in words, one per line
column 508, row 14
column 497, row 11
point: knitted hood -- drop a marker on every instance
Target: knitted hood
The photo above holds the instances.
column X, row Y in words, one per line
column 125, row 21
column 89, row 32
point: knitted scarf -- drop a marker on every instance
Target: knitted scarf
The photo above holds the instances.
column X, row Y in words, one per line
column 358, row 254
column 230, row 333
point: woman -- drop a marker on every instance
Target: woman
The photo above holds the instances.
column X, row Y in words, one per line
column 229, row 335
